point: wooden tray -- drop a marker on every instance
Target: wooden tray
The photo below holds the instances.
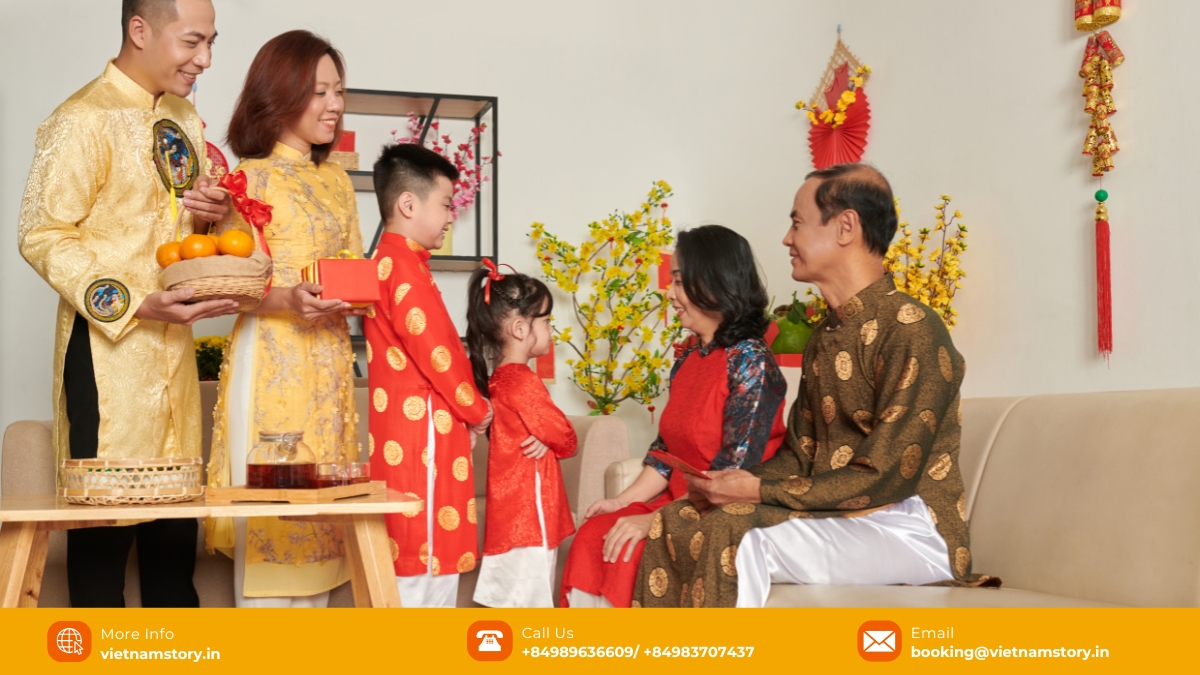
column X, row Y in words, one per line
column 241, row 493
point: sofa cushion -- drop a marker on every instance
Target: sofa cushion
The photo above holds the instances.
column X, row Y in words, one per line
column 1093, row 496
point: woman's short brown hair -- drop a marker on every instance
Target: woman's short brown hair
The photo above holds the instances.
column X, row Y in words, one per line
column 278, row 88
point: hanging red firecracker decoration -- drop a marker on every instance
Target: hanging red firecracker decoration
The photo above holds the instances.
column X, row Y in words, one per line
column 839, row 129
column 1100, row 57
column 1093, row 14
column 1105, row 12
column 1083, row 15
column 1097, row 74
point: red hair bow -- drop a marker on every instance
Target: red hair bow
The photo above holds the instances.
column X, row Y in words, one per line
column 255, row 212
column 493, row 275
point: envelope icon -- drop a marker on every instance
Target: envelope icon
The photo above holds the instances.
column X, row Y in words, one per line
column 879, row 641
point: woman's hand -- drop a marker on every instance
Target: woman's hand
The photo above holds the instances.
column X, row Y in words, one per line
column 628, row 530
column 303, row 300
column 534, row 449
column 603, row 506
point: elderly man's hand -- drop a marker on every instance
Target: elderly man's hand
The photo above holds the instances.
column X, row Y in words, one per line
column 727, row 487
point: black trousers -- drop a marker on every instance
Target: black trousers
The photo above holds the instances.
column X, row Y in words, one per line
column 97, row 556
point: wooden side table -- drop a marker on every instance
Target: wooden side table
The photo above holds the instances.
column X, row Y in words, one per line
column 27, row 522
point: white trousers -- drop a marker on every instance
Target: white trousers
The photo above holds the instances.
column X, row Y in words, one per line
column 896, row 545
column 427, row 590
column 238, row 441
column 522, row 576
column 577, row 599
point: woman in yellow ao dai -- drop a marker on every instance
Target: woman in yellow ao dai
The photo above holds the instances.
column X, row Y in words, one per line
column 283, row 371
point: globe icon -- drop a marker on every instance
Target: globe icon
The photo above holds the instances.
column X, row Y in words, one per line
column 70, row 641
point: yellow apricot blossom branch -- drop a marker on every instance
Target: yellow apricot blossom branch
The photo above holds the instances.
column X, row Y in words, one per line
column 622, row 308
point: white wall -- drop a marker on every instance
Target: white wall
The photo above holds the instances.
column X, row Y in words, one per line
column 598, row 99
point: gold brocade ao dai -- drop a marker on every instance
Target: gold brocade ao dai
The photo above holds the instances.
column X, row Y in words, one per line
column 299, row 376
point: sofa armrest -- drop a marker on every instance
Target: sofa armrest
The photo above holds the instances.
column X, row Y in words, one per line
column 620, row 475
column 602, row 441
column 27, row 465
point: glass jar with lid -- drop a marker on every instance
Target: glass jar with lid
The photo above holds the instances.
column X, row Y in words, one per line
column 281, row 460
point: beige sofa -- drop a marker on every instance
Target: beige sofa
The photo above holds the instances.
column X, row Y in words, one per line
column 28, row 468
column 1074, row 500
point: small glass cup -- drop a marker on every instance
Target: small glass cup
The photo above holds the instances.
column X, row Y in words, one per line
column 331, row 474
column 358, row 472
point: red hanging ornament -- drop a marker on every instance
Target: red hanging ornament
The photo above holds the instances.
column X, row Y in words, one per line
column 846, row 142
column 838, row 134
column 1103, row 277
column 1100, row 57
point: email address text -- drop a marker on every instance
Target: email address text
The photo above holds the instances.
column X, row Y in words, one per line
column 1002, row 652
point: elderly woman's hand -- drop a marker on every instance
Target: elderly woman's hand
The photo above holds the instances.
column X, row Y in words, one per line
column 628, row 530
column 603, row 506
column 727, row 487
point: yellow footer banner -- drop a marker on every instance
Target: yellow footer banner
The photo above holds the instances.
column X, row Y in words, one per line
column 610, row 641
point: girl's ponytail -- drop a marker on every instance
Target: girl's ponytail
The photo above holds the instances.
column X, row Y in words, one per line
column 513, row 292
column 481, row 329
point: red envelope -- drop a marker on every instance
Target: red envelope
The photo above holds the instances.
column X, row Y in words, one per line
column 677, row 464
column 352, row 280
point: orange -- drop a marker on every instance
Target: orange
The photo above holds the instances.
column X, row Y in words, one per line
column 236, row 242
column 197, row 246
column 168, row 253
column 216, row 240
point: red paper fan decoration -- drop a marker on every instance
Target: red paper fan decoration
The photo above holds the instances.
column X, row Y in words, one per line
column 845, row 143
column 220, row 165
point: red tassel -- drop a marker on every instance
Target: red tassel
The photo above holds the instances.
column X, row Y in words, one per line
column 1103, row 290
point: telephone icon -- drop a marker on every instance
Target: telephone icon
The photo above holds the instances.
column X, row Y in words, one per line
column 488, row 642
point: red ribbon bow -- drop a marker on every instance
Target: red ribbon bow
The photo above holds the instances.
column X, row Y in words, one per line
column 255, row 212
column 493, row 275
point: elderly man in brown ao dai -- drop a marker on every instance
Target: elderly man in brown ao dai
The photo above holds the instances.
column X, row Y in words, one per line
column 867, row 488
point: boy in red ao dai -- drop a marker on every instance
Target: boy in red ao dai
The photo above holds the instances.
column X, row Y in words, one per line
column 424, row 405
column 527, row 514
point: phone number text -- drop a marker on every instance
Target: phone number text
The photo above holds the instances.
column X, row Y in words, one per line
column 628, row 652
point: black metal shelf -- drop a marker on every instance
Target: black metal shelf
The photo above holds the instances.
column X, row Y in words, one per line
column 430, row 107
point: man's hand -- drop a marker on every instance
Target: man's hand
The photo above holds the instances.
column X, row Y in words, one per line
column 304, row 301
column 482, row 427
column 207, row 204
column 727, row 487
column 700, row 502
column 628, row 530
column 168, row 306
column 534, row 449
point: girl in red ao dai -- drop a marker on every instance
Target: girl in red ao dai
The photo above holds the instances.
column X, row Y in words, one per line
column 526, row 515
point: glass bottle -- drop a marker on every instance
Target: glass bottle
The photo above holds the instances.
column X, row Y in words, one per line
column 281, row 460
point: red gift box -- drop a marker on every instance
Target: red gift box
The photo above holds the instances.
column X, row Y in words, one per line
column 346, row 144
column 352, row 280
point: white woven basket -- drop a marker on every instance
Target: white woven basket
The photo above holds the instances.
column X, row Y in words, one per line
column 112, row 482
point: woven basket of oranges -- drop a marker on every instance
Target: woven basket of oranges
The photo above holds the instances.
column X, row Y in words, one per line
column 228, row 267
column 217, row 268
